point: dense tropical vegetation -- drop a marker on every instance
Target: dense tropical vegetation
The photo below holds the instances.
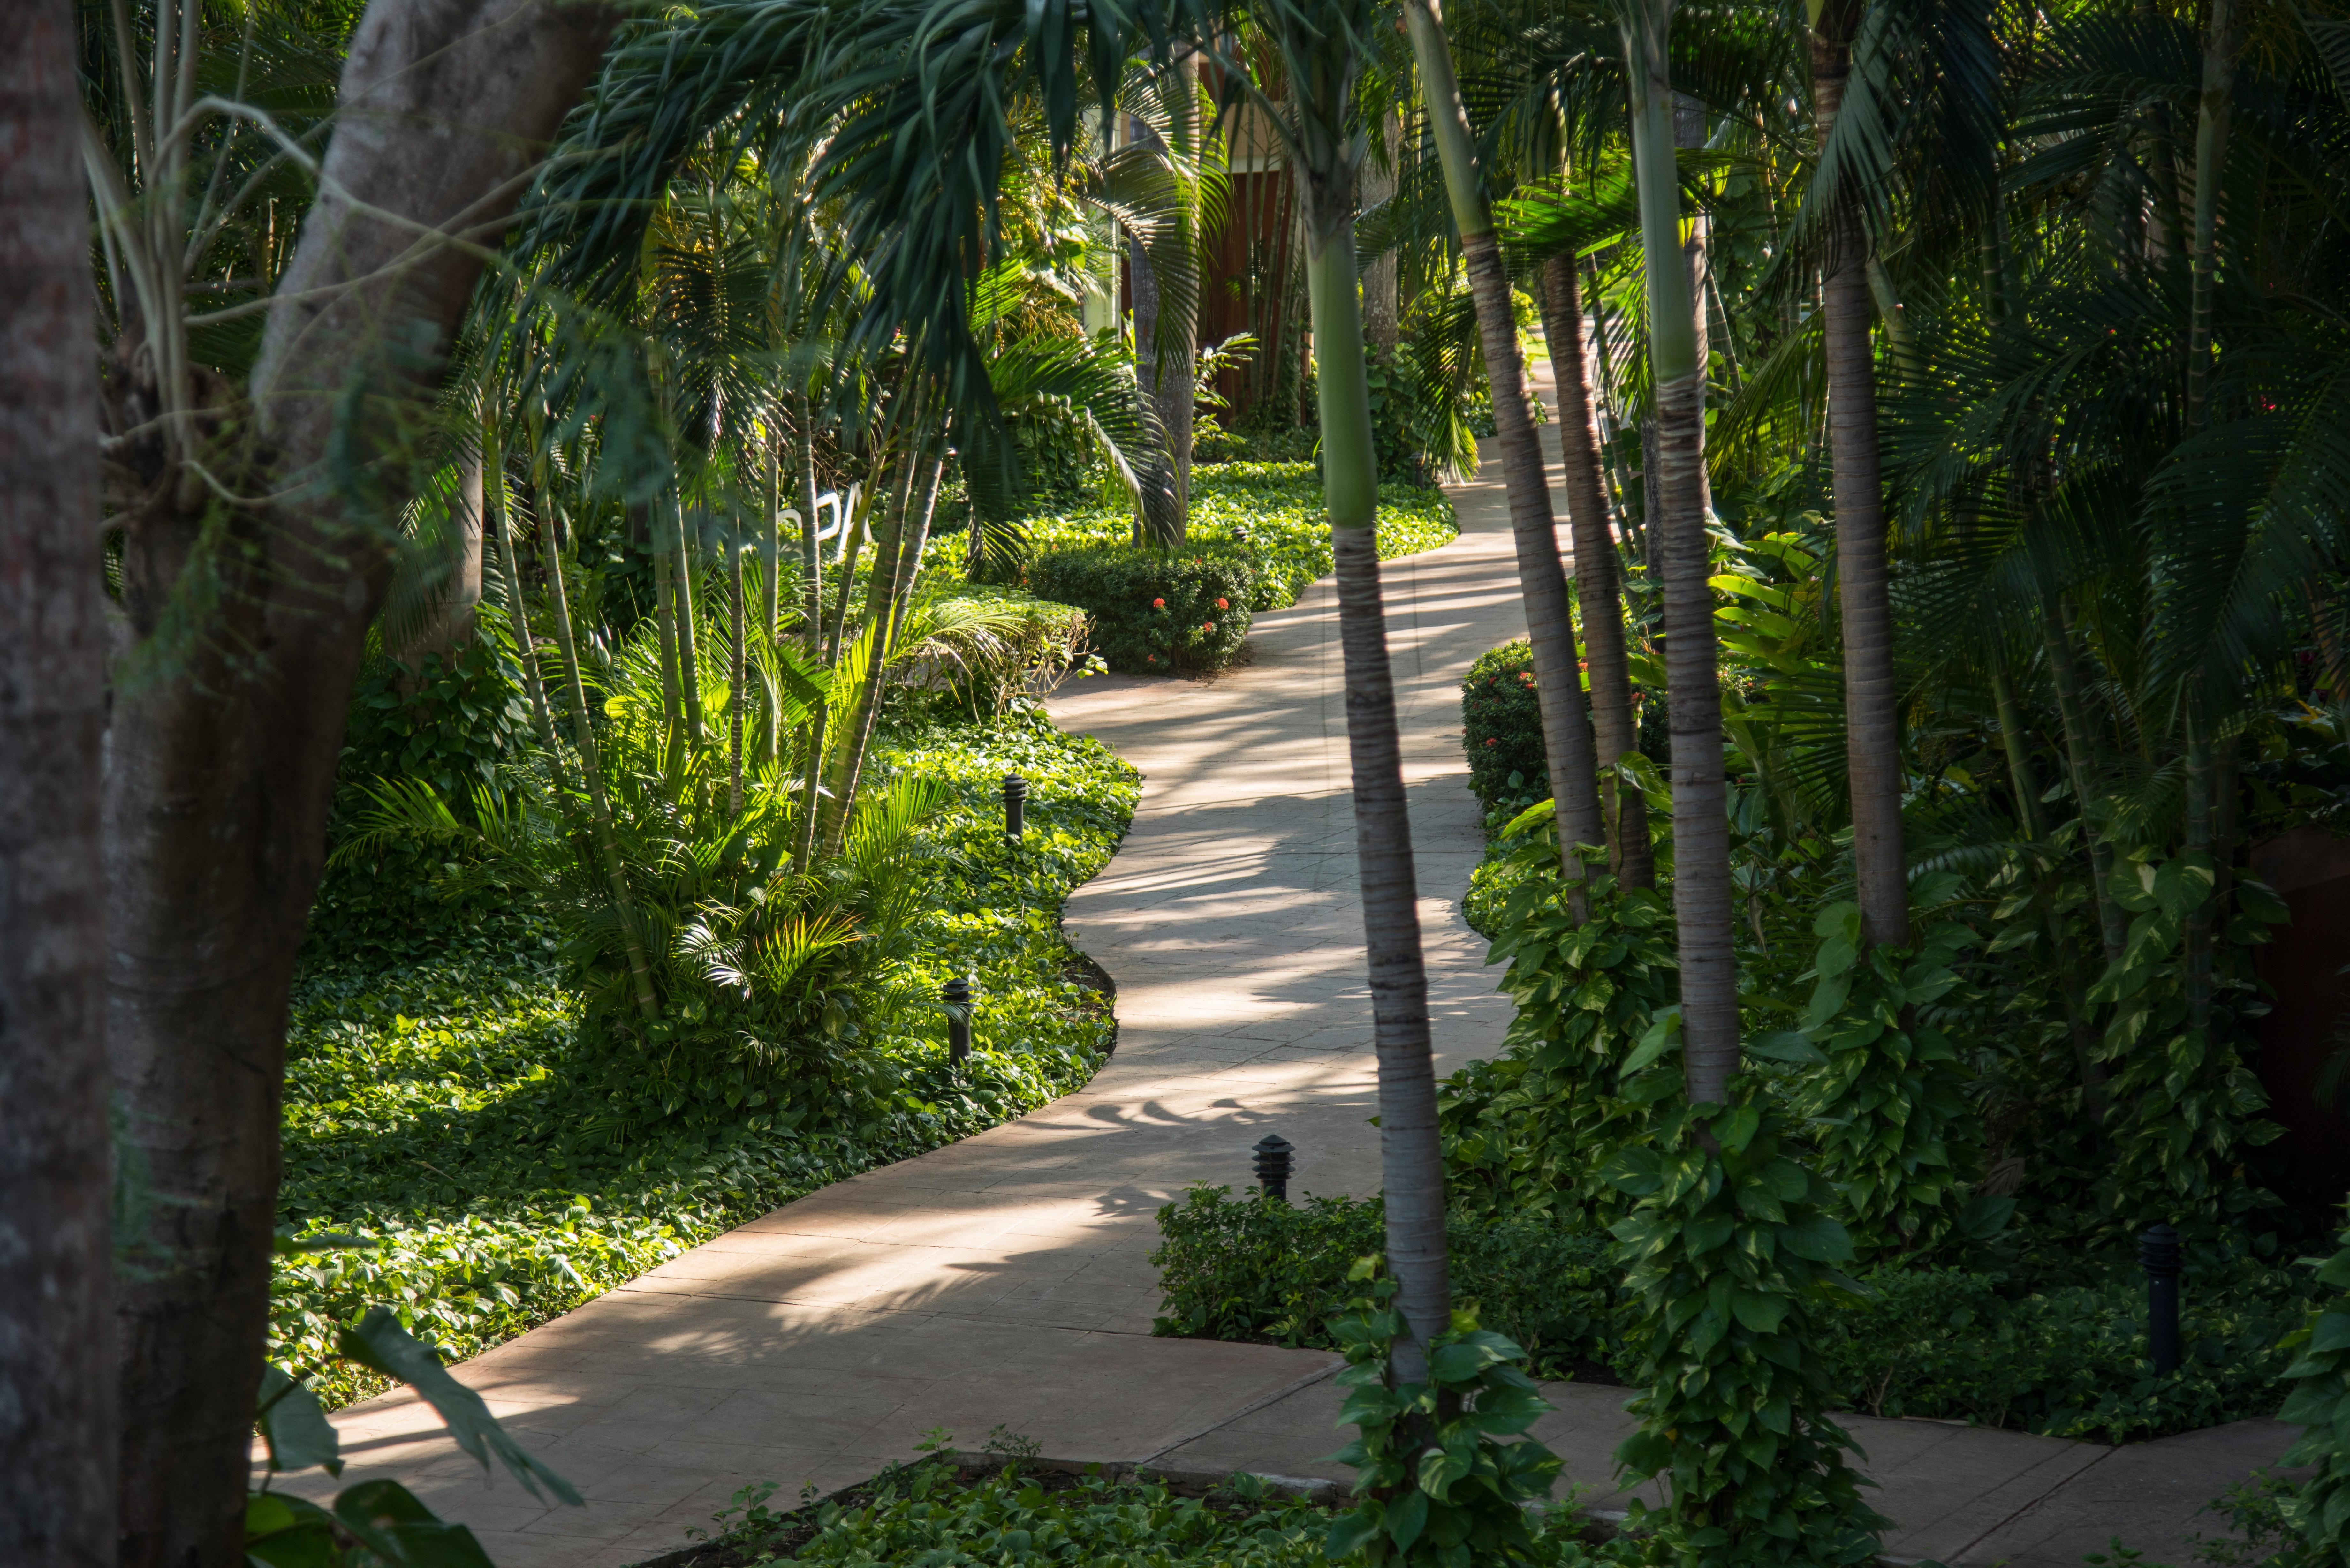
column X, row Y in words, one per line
column 683, row 467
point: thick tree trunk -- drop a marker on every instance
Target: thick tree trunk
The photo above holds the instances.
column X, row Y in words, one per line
column 1550, row 626
column 1703, row 905
column 1872, row 710
column 57, row 1430
column 1597, row 589
column 1411, row 1154
column 222, row 760
column 2216, row 107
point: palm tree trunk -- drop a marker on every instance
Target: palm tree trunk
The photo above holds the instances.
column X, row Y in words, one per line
column 1598, row 591
column 584, row 735
column 2112, row 924
column 855, row 529
column 665, row 620
column 811, row 552
column 493, row 500
column 2197, row 841
column 735, row 676
column 1411, row 1158
column 1550, row 626
column 1872, row 710
column 1167, row 331
column 2221, row 39
column 912, row 531
column 689, row 650
column 880, row 598
column 58, row 1424
column 2019, row 756
column 773, row 610
column 1703, row 905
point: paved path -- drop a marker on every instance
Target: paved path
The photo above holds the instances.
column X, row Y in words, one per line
column 1003, row 1281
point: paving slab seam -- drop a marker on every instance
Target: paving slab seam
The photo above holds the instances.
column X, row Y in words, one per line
column 1276, row 1397
column 2017, row 1516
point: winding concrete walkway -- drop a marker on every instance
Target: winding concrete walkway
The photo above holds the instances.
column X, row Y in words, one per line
column 1005, row 1281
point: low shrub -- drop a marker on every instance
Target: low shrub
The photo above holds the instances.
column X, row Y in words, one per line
column 1500, row 731
column 1154, row 612
column 2068, row 1360
column 1267, row 515
column 1276, row 1274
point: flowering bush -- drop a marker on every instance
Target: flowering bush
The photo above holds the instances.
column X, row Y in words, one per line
column 1501, row 729
column 1176, row 632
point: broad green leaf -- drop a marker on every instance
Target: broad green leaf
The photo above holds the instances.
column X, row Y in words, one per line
column 1408, row 1514
column 1790, row 1046
column 380, row 1342
column 297, row 1430
column 1818, row 1238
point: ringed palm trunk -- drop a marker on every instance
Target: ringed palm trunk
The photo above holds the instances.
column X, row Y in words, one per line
column 1410, row 1153
column 1597, row 590
column 57, row 1423
column 812, row 634
column 735, row 678
column 493, row 503
column 2216, row 109
column 1872, row 717
column 1167, row 332
column 599, row 802
column 688, row 629
column 1702, row 904
column 1550, row 626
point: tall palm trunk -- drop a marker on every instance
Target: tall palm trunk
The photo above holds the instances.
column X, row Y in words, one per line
column 1167, row 329
column 1703, row 905
column 735, row 662
column 689, row 629
column 584, row 736
column 899, row 565
column 1872, row 716
column 57, row 1420
column 2080, row 752
column 1411, row 1157
column 771, row 611
column 880, row 598
column 493, row 503
column 665, row 624
column 2216, row 109
column 812, row 635
column 1597, row 590
column 1550, row 626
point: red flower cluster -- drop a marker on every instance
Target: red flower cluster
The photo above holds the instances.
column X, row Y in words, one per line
column 1208, row 626
column 1158, row 604
column 1222, row 604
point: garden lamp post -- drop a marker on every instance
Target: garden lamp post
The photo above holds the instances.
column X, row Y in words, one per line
column 956, row 994
column 1273, row 1163
column 2158, row 1255
column 1016, row 806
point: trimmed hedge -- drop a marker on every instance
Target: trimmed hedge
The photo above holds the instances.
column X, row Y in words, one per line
column 1501, row 729
column 1154, row 613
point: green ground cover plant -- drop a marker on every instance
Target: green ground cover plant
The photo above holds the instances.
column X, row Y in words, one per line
column 494, row 1161
column 1268, row 515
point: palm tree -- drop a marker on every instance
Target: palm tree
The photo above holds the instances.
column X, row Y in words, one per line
column 1550, row 627
column 57, row 1502
column 1702, row 884
column 1873, row 721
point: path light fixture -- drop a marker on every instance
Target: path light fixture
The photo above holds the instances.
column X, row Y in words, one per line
column 2158, row 1255
column 1015, row 805
column 1273, row 1165
column 956, row 994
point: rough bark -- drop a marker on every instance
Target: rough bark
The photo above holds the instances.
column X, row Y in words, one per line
column 1167, row 336
column 222, row 751
column 1872, row 710
column 57, row 1429
column 1689, row 133
column 1598, row 589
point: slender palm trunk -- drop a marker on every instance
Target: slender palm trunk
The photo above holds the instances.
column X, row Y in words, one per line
column 1872, row 713
column 855, row 528
column 59, row 1420
column 2197, row 841
column 1703, row 908
column 1597, row 590
column 2216, row 109
column 880, row 598
column 688, row 629
column 2020, row 771
column 1411, row 1157
column 1550, row 626
column 735, row 685
column 493, row 500
column 771, row 611
column 911, row 532
column 812, row 635
column 584, row 735
column 2080, row 753
column 1167, row 331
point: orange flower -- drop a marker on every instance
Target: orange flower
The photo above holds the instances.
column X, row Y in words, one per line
column 1223, row 605
column 1158, row 604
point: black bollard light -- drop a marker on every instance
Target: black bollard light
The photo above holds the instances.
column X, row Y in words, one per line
column 1273, row 1165
column 956, row 994
column 2158, row 1255
column 1015, row 805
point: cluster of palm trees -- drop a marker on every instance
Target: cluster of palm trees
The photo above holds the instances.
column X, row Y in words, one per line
column 2047, row 300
